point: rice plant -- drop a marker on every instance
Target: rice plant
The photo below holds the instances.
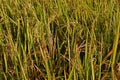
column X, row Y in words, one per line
column 59, row 40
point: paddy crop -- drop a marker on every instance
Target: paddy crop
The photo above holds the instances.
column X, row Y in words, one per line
column 59, row 40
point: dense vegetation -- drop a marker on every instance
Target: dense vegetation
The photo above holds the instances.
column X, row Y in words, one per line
column 59, row 40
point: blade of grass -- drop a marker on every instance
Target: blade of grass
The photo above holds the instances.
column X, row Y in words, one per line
column 72, row 71
column 46, row 64
column 115, row 50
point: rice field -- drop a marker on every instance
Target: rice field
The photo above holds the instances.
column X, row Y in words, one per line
column 59, row 39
